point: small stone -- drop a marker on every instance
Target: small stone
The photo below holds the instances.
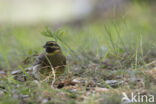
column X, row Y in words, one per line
column 44, row 100
column 76, row 81
column 99, row 89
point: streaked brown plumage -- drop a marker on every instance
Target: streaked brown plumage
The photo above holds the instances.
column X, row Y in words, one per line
column 52, row 56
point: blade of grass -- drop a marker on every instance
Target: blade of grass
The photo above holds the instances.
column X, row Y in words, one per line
column 24, row 71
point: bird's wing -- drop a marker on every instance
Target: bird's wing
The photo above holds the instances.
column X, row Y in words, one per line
column 40, row 59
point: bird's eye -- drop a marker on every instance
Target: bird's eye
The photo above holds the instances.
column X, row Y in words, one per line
column 55, row 45
column 51, row 44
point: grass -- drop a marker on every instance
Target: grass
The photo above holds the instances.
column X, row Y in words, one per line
column 120, row 49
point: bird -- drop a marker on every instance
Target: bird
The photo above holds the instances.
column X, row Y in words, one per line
column 52, row 58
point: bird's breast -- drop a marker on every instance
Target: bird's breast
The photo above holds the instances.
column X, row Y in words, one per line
column 57, row 60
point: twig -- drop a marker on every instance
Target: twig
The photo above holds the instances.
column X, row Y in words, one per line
column 53, row 72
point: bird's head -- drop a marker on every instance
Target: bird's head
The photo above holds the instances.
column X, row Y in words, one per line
column 51, row 47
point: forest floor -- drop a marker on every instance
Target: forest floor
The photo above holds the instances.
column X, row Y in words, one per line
column 95, row 82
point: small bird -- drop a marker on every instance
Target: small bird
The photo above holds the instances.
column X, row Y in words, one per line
column 52, row 58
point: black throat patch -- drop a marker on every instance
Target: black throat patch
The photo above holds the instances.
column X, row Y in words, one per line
column 51, row 50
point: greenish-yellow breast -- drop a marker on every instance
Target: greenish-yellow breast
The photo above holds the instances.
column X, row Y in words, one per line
column 53, row 58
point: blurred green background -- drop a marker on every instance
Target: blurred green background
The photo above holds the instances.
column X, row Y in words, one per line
column 114, row 28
